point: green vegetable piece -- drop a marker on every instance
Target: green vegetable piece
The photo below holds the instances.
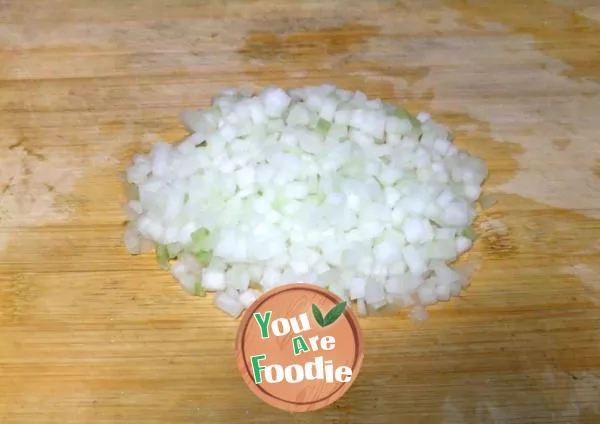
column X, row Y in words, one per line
column 280, row 201
column 204, row 257
column 173, row 250
column 469, row 233
column 416, row 130
column 162, row 256
column 201, row 240
column 131, row 191
column 401, row 113
column 323, row 126
column 199, row 290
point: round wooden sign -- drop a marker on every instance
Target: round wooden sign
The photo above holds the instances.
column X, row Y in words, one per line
column 299, row 347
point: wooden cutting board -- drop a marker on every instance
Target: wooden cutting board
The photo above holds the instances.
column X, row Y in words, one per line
column 89, row 334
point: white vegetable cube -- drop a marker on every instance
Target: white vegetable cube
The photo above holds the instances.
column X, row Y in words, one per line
column 131, row 238
column 445, row 274
column 275, row 101
column 370, row 230
column 463, row 244
column 298, row 115
column 443, row 292
column 374, row 293
column 178, row 269
column 213, row 279
column 396, row 125
column 228, row 304
column 245, row 177
column 360, row 99
column 361, row 308
column 264, row 175
column 394, row 285
column 290, row 209
column 389, row 176
column 339, row 290
column 328, row 108
column 161, row 154
column 417, row 230
column 361, row 138
column 380, row 271
column 375, row 124
column 455, row 288
column 311, row 142
column 233, row 293
column 398, row 215
column 394, row 139
column 255, row 272
column 225, row 243
column 228, row 132
column 299, row 266
column 414, row 259
column 137, row 173
column 314, row 102
column 441, row 146
column 337, row 132
column 329, row 278
column 275, row 125
column 427, row 295
column 188, row 282
column 261, row 205
column 397, row 268
column 332, row 254
column 257, row 112
column 342, row 117
column 445, row 233
column 445, row 198
column 442, row 249
column 411, row 282
column 156, row 231
column 321, row 267
column 237, row 277
column 416, row 204
column 472, row 191
column 357, row 118
column 357, row 288
column 422, row 158
column 248, row 297
column 270, row 276
column 387, row 251
column 392, row 195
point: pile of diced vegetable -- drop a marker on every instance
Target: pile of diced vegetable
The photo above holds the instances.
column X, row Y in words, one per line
column 316, row 185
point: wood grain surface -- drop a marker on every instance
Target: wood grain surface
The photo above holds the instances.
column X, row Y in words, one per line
column 89, row 334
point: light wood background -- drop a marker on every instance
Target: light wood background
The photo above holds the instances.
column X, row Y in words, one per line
column 89, row 334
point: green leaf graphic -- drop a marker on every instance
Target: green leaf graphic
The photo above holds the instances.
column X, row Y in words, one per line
column 334, row 314
column 317, row 314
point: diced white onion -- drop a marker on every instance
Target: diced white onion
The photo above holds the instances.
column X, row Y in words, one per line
column 228, row 304
column 315, row 185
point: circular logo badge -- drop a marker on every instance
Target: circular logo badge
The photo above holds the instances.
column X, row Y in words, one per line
column 299, row 347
